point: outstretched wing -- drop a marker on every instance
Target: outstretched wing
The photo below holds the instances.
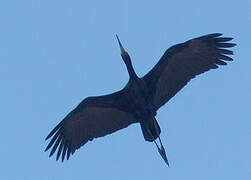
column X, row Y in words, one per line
column 93, row 117
column 184, row 61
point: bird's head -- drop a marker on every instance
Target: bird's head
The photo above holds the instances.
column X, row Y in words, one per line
column 125, row 56
column 127, row 60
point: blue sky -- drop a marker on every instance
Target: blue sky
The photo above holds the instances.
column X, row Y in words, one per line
column 55, row 53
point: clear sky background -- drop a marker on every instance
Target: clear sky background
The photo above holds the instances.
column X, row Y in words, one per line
column 54, row 53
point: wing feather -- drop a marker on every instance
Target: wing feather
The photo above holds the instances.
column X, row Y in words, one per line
column 94, row 117
column 184, row 61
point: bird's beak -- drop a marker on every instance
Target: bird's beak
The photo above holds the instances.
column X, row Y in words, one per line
column 123, row 52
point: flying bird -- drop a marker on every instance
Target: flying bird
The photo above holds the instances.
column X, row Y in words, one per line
column 140, row 99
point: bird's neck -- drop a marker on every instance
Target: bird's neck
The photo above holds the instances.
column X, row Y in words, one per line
column 130, row 70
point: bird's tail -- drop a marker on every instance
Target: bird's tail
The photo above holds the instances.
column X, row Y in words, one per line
column 152, row 126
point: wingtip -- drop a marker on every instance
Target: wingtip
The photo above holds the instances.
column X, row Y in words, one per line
column 217, row 34
column 167, row 163
column 54, row 130
column 214, row 35
column 46, row 149
column 51, row 153
column 47, row 137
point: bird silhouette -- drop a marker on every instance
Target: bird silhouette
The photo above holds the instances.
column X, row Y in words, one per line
column 140, row 99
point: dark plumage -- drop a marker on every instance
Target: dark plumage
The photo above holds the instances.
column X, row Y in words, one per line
column 140, row 99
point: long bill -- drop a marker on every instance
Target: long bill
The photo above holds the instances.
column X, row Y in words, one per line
column 123, row 51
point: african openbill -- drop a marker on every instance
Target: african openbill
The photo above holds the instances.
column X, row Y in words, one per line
column 140, row 99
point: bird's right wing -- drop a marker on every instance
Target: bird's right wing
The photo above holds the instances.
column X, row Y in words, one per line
column 184, row 61
column 93, row 117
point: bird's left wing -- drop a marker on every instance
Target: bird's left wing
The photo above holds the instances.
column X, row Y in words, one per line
column 184, row 61
column 93, row 117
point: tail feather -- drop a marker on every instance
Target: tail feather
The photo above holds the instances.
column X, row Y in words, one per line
column 153, row 127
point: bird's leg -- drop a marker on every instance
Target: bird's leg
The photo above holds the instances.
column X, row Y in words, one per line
column 161, row 150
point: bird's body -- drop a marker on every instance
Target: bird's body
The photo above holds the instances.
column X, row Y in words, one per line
column 140, row 99
column 136, row 94
column 141, row 107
